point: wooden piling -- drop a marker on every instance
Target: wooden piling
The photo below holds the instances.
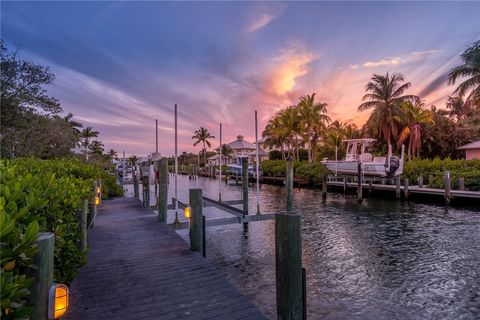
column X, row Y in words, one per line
column 135, row 185
column 405, row 188
column 163, row 191
column 204, row 237
column 304, row 293
column 245, row 185
column 447, row 181
column 93, row 213
column 397, row 187
column 324, row 183
column 420, row 182
column 82, row 225
column 146, row 190
column 43, row 275
column 196, row 212
column 344, row 184
column 359, row 183
column 288, row 262
column 289, row 184
column 461, row 184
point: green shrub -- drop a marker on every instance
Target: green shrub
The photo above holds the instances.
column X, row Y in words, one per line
column 41, row 196
column 302, row 170
column 432, row 172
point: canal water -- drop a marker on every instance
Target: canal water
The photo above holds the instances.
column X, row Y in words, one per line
column 381, row 259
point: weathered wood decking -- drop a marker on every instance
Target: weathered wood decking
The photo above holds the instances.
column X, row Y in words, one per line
column 139, row 268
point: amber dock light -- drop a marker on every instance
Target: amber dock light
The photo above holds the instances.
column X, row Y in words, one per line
column 57, row 301
column 187, row 212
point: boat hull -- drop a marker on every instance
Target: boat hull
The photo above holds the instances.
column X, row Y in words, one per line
column 351, row 168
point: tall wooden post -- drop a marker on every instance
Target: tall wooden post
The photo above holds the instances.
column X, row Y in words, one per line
column 146, row 188
column 93, row 213
column 359, row 182
column 245, row 187
column 43, row 275
column 397, row 187
column 344, row 184
column 405, row 188
column 289, row 184
column 447, row 180
column 461, row 184
column 82, row 225
column 420, row 182
column 163, row 191
column 324, row 182
column 196, row 211
column 288, row 262
column 135, row 185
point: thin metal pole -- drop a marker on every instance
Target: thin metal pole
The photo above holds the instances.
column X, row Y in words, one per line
column 156, row 135
column 257, row 163
column 176, row 168
column 220, row 180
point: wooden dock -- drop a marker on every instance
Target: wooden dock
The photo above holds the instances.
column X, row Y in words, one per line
column 412, row 189
column 139, row 268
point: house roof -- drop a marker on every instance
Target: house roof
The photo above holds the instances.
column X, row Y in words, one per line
column 240, row 144
column 215, row 157
column 473, row 145
column 261, row 153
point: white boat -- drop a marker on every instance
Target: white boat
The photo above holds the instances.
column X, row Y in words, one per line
column 357, row 152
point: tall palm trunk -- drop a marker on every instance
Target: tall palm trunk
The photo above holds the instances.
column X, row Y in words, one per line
column 204, row 155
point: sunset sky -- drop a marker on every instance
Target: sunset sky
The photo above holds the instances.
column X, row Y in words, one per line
column 121, row 65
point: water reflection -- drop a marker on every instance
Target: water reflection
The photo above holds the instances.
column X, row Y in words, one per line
column 380, row 259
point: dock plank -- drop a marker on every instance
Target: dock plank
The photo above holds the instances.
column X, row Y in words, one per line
column 141, row 269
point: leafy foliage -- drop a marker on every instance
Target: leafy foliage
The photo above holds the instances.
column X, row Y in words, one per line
column 41, row 196
column 301, row 170
column 432, row 172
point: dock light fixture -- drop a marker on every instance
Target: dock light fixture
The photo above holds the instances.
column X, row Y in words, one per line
column 57, row 301
column 97, row 200
column 187, row 212
column 98, row 190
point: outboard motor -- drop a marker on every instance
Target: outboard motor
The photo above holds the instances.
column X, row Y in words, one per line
column 394, row 164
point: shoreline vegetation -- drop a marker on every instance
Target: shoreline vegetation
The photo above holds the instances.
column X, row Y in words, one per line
column 50, row 162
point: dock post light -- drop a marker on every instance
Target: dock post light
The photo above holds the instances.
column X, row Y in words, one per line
column 187, row 212
column 57, row 301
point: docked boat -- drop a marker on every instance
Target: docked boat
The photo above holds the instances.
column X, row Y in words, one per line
column 357, row 152
column 236, row 170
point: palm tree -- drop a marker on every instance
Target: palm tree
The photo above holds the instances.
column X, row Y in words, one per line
column 460, row 108
column 132, row 160
column 470, row 69
column 202, row 135
column 75, row 126
column 311, row 114
column 226, row 152
column 112, row 154
column 274, row 134
column 289, row 124
column 385, row 97
column 335, row 134
column 412, row 118
column 87, row 134
column 96, row 147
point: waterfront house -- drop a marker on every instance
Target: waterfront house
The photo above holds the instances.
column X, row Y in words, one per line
column 472, row 150
column 240, row 149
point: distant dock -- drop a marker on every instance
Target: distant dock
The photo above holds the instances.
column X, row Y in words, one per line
column 405, row 190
